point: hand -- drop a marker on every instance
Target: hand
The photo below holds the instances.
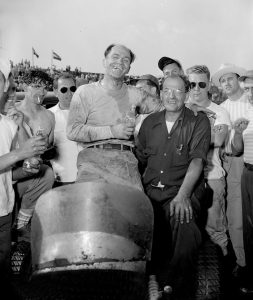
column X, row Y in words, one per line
column 122, row 130
column 16, row 115
column 32, row 165
column 182, row 208
column 33, row 147
column 240, row 125
column 196, row 108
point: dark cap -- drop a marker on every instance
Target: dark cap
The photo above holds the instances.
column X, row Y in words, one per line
column 164, row 61
column 150, row 78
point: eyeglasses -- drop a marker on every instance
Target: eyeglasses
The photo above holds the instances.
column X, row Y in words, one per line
column 64, row 89
column 201, row 84
column 176, row 92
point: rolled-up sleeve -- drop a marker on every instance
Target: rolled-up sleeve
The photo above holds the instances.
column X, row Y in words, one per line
column 201, row 138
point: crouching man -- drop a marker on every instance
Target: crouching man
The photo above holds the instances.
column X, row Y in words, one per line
column 172, row 149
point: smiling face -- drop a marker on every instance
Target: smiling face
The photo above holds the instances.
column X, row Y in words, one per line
column 173, row 94
column 117, row 62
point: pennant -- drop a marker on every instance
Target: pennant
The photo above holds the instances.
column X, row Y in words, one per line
column 56, row 56
column 35, row 53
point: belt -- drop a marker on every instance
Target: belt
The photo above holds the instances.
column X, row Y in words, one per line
column 248, row 166
column 110, row 146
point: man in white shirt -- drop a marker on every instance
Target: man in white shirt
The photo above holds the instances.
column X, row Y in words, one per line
column 237, row 106
column 243, row 142
column 64, row 162
column 216, row 225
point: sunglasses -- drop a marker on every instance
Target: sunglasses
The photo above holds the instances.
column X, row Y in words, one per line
column 201, row 84
column 64, row 89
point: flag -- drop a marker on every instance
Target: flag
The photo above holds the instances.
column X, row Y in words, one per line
column 56, row 56
column 35, row 53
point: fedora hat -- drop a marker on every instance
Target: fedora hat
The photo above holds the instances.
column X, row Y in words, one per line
column 247, row 74
column 225, row 69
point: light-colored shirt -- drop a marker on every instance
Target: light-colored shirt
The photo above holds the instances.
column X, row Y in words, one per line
column 65, row 164
column 94, row 109
column 236, row 109
column 248, row 138
column 8, row 131
column 213, row 169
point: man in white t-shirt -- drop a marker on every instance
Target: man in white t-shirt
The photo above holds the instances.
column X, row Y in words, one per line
column 237, row 106
column 216, row 226
column 64, row 162
column 243, row 142
column 12, row 130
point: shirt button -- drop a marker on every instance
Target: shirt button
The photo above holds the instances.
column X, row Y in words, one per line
column 169, row 137
column 161, row 172
column 164, row 154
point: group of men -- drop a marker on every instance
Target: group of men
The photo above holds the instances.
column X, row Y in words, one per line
column 180, row 144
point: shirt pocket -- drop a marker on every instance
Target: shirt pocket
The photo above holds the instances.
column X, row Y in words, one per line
column 180, row 156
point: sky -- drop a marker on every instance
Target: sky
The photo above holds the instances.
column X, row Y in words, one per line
column 193, row 31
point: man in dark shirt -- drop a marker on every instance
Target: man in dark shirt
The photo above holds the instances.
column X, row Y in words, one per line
column 172, row 148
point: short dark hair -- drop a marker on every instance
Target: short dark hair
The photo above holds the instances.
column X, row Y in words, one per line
column 183, row 77
column 152, row 84
column 109, row 48
column 64, row 75
column 35, row 75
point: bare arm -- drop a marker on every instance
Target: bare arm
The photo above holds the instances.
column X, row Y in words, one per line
column 218, row 135
column 32, row 147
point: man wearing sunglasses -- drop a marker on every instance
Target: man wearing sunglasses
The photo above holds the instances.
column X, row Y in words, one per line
column 99, row 120
column 64, row 162
column 216, row 225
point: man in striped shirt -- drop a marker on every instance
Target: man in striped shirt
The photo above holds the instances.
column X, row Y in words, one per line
column 243, row 142
column 237, row 106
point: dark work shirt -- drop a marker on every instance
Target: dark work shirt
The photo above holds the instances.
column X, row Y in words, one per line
column 167, row 156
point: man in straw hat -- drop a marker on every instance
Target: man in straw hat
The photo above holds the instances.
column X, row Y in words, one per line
column 237, row 105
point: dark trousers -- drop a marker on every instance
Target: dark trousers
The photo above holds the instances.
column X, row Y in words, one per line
column 5, row 244
column 175, row 245
column 247, row 214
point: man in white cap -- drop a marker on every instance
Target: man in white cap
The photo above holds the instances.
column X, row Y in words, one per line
column 237, row 106
column 243, row 142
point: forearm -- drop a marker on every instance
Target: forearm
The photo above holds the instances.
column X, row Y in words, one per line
column 86, row 133
column 237, row 142
column 9, row 159
column 194, row 170
column 22, row 135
